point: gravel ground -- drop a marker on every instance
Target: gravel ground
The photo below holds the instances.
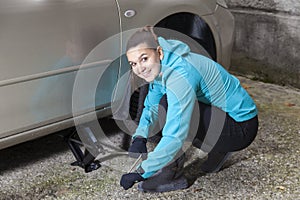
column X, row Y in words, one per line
column 267, row 169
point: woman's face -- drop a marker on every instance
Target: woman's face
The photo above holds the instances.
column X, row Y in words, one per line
column 145, row 62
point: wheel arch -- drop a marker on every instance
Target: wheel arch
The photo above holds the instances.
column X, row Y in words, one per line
column 193, row 26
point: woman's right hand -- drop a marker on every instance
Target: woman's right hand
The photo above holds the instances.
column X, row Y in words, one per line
column 138, row 147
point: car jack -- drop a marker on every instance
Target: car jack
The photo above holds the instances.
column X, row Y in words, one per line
column 84, row 159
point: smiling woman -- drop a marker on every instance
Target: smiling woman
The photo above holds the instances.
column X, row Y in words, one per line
column 144, row 54
column 145, row 61
column 222, row 111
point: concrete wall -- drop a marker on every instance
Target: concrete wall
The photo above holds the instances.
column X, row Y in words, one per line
column 267, row 40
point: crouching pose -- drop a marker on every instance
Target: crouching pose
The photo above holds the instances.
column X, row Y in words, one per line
column 227, row 121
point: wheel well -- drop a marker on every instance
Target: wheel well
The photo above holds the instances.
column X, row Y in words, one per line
column 193, row 26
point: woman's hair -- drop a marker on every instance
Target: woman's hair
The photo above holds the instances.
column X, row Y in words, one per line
column 144, row 35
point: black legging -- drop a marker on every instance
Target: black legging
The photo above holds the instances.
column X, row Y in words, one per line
column 230, row 136
column 234, row 135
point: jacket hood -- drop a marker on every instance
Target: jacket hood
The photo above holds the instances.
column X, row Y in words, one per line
column 173, row 50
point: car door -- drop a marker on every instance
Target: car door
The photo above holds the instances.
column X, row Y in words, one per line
column 43, row 44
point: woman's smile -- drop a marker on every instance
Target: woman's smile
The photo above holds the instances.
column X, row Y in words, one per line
column 146, row 74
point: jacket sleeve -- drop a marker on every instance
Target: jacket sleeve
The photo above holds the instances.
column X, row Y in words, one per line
column 150, row 111
column 181, row 98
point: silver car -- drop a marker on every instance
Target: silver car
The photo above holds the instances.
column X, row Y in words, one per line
column 44, row 44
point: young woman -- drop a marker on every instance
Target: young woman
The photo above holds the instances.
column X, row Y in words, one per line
column 228, row 116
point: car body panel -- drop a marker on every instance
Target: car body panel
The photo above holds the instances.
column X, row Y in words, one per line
column 211, row 13
column 37, row 37
column 45, row 44
column 145, row 10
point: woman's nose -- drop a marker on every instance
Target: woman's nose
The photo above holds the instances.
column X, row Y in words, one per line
column 141, row 69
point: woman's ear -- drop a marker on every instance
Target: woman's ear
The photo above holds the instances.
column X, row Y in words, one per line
column 160, row 52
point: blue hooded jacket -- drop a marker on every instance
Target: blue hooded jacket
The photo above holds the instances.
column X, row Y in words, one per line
column 185, row 78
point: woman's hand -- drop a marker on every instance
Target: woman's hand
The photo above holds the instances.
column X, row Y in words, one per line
column 128, row 180
column 138, row 147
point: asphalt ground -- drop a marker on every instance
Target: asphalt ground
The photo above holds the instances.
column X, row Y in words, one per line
column 268, row 169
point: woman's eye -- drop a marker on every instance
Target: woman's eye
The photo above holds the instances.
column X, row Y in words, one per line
column 132, row 64
column 144, row 59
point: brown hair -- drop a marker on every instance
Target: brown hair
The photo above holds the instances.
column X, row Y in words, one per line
column 144, row 35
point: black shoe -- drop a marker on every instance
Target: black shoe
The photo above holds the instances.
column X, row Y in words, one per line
column 167, row 179
column 214, row 162
column 165, row 186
